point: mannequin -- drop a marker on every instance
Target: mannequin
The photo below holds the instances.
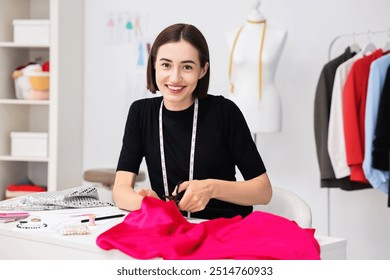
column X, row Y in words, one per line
column 252, row 76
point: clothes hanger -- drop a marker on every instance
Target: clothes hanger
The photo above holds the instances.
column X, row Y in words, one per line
column 386, row 47
column 355, row 46
column 370, row 47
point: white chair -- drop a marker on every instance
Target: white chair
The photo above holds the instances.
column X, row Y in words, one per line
column 289, row 205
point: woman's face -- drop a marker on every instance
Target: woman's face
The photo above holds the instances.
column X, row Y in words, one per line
column 178, row 70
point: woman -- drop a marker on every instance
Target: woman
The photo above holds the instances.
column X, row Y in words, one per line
column 188, row 135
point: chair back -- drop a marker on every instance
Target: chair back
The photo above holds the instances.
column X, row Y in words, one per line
column 288, row 205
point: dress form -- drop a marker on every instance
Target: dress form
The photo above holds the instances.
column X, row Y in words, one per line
column 254, row 89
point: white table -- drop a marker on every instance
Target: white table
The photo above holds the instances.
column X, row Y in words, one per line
column 44, row 244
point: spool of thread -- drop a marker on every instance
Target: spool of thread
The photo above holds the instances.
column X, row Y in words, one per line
column 92, row 220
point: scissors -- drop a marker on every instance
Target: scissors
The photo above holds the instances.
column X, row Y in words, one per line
column 176, row 198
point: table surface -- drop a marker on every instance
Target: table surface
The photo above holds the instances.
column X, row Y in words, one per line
column 19, row 243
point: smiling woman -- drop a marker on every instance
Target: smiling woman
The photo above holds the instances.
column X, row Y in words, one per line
column 185, row 44
column 177, row 74
column 188, row 135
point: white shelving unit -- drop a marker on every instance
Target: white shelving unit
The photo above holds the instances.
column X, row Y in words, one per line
column 61, row 116
column 18, row 45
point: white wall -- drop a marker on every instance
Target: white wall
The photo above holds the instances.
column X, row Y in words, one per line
column 290, row 156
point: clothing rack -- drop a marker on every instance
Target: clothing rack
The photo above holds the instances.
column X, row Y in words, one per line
column 353, row 35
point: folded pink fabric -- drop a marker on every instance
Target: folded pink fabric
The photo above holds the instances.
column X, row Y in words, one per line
column 158, row 230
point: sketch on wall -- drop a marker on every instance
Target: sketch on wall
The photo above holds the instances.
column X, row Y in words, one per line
column 125, row 27
column 129, row 29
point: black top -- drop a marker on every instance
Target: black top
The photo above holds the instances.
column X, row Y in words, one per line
column 381, row 143
column 322, row 104
column 223, row 141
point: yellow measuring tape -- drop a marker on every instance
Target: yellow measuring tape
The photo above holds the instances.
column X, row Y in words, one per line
column 260, row 56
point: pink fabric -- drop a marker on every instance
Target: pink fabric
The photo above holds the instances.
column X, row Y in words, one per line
column 158, row 230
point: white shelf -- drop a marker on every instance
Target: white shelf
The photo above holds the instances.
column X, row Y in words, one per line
column 20, row 45
column 22, row 158
column 61, row 168
column 23, row 102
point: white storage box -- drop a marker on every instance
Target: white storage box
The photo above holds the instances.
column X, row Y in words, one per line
column 31, row 31
column 32, row 144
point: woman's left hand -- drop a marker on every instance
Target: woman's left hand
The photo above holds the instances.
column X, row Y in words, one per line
column 197, row 195
column 147, row 192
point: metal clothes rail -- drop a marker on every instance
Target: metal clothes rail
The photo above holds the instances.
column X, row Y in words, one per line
column 354, row 35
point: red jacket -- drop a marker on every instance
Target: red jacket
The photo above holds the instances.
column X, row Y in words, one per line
column 354, row 107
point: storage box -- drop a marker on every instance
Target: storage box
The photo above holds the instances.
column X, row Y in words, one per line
column 31, row 31
column 34, row 144
column 32, row 88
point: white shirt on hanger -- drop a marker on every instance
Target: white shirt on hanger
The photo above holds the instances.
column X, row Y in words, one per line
column 336, row 142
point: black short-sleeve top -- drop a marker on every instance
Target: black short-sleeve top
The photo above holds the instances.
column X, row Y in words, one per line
column 223, row 141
